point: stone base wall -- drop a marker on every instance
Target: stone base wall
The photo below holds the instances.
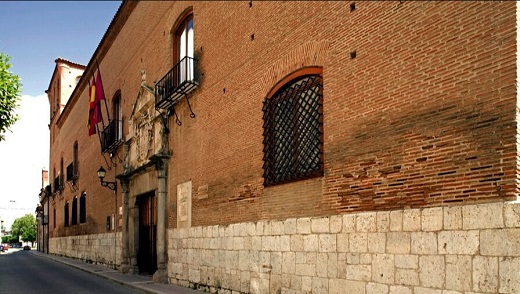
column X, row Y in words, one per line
column 97, row 248
column 458, row 249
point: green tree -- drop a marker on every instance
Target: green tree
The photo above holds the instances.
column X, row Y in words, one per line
column 10, row 87
column 25, row 227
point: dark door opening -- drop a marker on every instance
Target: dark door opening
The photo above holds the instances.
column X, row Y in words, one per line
column 147, row 253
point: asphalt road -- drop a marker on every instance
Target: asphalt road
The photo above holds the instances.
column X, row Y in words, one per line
column 24, row 272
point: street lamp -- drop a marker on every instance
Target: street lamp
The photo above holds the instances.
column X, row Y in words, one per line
column 101, row 174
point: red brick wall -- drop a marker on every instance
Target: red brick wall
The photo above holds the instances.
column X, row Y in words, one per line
column 424, row 115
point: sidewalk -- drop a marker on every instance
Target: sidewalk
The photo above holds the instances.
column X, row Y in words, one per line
column 143, row 283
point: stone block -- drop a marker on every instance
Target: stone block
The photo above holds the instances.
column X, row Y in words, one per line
column 305, row 269
column 320, row 285
column 512, row 215
column 482, row 216
column 366, row 222
column 383, row 221
column 420, row 290
column 244, row 260
column 332, row 268
column 276, row 263
column 320, row 225
column 509, row 275
column 310, row 243
column 245, row 281
column 256, row 243
column 411, row 220
column 398, row 242
column 383, row 268
column 400, row 290
column 285, row 243
column 290, row 226
column 452, row 218
column 277, row 227
column 260, row 225
column 307, row 284
column 327, row 243
column 458, row 242
column 396, row 221
column 458, row 272
column 432, row 219
column 342, row 242
column 358, row 242
column 336, row 224
column 505, row 242
column 485, row 274
column 423, row 243
column 321, row 265
column 359, row 272
column 408, row 277
column 337, row 286
column 376, row 242
column 259, row 283
column 296, row 282
column 349, row 223
column 303, row 225
column 288, row 262
column 296, row 243
column 406, row 261
column 375, row 288
column 432, row 271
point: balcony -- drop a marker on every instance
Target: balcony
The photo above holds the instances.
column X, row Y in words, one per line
column 112, row 136
column 177, row 83
column 58, row 185
column 72, row 173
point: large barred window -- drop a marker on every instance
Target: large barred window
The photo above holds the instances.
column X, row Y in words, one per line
column 293, row 122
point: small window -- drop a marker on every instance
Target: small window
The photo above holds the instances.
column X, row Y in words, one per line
column 76, row 159
column 83, row 208
column 66, row 215
column 74, row 220
column 293, row 131
column 118, row 117
column 54, row 218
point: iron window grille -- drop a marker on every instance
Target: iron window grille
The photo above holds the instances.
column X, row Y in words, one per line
column 58, row 184
column 293, row 128
column 72, row 174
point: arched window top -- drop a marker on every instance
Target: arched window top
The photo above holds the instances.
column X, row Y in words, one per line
column 293, row 128
column 296, row 75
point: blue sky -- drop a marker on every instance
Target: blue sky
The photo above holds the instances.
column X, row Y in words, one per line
column 34, row 34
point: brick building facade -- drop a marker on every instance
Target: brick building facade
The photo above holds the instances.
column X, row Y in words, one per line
column 298, row 147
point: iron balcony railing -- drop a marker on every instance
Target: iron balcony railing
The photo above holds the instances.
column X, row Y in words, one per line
column 58, row 185
column 112, row 136
column 177, row 83
column 72, row 173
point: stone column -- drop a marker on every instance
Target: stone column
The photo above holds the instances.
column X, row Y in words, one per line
column 124, row 233
column 161, row 275
column 133, row 229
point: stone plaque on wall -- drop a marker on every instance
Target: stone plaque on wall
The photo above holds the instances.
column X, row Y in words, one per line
column 184, row 205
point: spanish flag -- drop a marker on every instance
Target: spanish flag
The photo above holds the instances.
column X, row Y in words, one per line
column 96, row 94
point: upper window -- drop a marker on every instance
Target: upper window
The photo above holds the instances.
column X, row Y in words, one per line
column 293, row 123
column 75, row 154
column 185, row 48
column 118, row 116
